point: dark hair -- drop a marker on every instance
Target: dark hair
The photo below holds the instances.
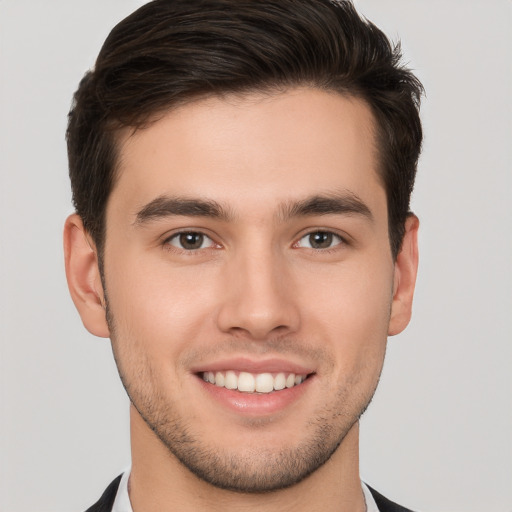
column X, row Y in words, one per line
column 172, row 51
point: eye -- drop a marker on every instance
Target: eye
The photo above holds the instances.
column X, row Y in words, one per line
column 320, row 240
column 190, row 241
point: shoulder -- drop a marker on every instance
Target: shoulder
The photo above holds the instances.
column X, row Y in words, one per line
column 105, row 503
column 385, row 505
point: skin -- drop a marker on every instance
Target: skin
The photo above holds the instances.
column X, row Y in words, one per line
column 256, row 290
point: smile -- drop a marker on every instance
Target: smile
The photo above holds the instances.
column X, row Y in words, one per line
column 253, row 383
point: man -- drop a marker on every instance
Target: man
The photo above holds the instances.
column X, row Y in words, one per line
column 241, row 173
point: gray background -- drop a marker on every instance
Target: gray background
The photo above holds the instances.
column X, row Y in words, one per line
column 438, row 435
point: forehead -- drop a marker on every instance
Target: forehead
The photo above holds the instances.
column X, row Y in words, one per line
column 253, row 149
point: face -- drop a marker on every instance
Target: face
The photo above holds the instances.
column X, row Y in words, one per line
column 249, row 281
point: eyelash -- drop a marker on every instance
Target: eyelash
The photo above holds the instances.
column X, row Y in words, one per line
column 168, row 245
column 341, row 241
column 176, row 236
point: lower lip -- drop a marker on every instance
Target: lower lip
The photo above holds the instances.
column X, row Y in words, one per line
column 256, row 404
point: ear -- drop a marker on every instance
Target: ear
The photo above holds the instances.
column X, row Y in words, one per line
column 83, row 275
column 406, row 267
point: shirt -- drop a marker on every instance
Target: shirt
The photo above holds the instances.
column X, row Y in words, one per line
column 122, row 501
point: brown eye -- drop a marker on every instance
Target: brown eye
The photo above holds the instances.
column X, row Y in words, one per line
column 320, row 240
column 190, row 241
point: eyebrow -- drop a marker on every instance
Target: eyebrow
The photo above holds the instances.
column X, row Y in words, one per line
column 165, row 206
column 345, row 203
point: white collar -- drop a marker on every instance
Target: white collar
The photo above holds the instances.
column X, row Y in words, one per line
column 371, row 506
column 122, row 501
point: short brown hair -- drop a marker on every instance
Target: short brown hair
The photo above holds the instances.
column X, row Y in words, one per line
column 172, row 51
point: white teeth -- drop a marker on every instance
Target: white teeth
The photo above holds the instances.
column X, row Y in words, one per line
column 249, row 383
column 280, row 381
column 246, row 382
column 264, row 383
column 219, row 379
column 231, row 380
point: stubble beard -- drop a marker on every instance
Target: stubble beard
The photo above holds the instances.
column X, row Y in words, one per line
column 255, row 470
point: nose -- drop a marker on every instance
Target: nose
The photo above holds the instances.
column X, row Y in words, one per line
column 258, row 298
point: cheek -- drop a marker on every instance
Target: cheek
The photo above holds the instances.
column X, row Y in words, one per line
column 352, row 311
column 163, row 310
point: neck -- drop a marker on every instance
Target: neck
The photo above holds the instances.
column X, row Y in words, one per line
column 159, row 482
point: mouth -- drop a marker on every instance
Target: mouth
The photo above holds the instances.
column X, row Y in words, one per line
column 256, row 388
column 252, row 383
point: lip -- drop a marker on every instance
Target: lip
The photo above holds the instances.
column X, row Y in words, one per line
column 255, row 404
column 243, row 364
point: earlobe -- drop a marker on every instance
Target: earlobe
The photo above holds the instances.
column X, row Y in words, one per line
column 83, row 276
column 406, row 267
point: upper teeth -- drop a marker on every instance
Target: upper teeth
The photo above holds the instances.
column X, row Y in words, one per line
column 249, row 383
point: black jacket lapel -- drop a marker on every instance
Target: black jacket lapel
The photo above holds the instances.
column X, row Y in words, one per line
column 385, row 505
column 106, row 502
